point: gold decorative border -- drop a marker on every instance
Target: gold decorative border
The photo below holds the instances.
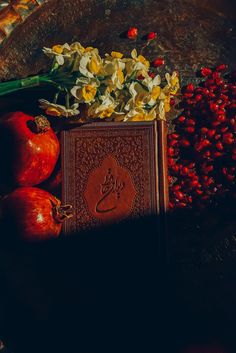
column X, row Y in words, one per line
column 14, row 12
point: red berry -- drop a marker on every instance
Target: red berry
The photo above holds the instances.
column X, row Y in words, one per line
column 140, row 77
column 190, row 122
column 152, row 74
column 132, row 33
column 218, row 154
column 217, row 137
column 185, row 170
column 199, row 192
column 176, row 187
column 151, row 36
column 171, row 151
column 219, row 146
column 230, row 177
column 221, row 67
column 198, row 97
column 211, row 133
column 174, row 136
column 190, row 129
column 185, row 143
column 205, row 71
column 179, row 195
column 158, row 62
column 181, row 119
column 182, row 204
column 190, row 87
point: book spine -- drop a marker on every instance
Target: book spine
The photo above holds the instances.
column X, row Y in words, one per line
column 163, row 188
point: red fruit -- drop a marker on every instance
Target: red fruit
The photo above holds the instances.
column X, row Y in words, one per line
column 141, row 77
column 190, row 88
column 171, row 161
column 171, row 151
column 174, row 136
column 158, row 62
column 214, row 107
column 179, row 195
column 176, row 187
column 190, row 122
column 219, row 146
column 185, row 143
column 228, row 138
column 221, row 67
column 34, row 214
column 199, row 192
column 151, row 35
column 152, row 74
column 211, row 133
column 221, row 118
column 132, row 33
column 217, row 154
column 230, row 177
column 205, row 71
column 29, row 149
column 185, row 170
column 181, row 119
column 204, row 130
column 198, row 98
column 190, row 129
column 53, row 183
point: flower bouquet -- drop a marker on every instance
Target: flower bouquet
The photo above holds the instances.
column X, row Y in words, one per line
column 111, row 87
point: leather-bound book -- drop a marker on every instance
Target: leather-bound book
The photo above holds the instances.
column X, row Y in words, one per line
column 113, row 171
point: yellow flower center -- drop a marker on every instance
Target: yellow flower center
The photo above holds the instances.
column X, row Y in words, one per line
column 89, row 92
column 116, row 54
column 138, row 117
column 53, row 111
column 94, row 65
column 106, row 113
column 155, row 92
column 144, row 61
column 174, row 85
column 88, row 49
column 57, row 49
column 120, row 75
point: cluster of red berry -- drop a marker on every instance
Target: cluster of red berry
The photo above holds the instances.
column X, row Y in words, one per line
column 202, row 150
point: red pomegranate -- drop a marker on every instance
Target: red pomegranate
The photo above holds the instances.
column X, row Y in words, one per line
column 29, row 149
column 34, row 214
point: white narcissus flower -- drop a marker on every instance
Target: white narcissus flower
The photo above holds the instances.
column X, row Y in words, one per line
column 85, row 89
column 113, row 70
column 153, row 85
column 139, row 96
column 104, row 109
column 60, row 52
column 139, row 114
column 90, row 63
column 172, row 83
column 57, row 109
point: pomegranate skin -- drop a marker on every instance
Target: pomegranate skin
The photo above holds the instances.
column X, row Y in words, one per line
column 32, row 214
column 29, row 155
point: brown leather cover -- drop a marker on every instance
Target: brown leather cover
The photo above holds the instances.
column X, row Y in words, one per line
column 111, row 172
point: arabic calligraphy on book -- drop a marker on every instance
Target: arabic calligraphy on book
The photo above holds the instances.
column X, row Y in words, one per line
column 110, row 191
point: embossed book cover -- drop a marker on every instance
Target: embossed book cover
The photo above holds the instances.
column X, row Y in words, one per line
column 111, row 172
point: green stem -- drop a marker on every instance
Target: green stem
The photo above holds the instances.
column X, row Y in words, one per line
column 34, row 81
